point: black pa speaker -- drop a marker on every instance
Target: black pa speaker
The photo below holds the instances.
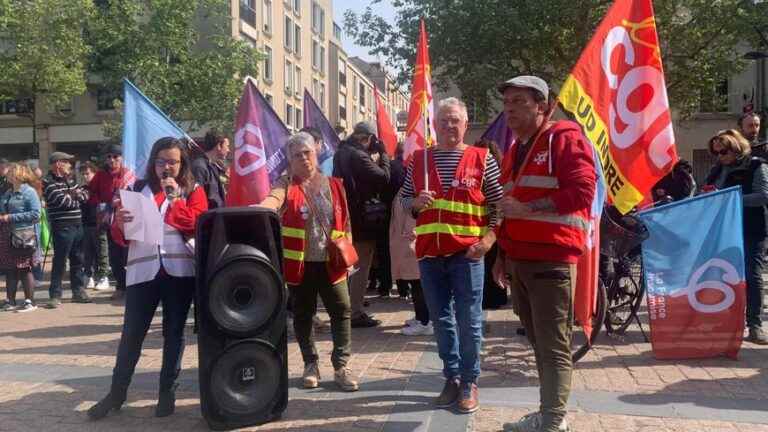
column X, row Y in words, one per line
column 241, row 317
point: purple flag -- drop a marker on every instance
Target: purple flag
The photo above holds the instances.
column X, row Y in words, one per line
column 314, row 117
column 499, row 133
column 259, row 157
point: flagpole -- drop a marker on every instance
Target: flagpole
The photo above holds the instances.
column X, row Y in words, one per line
column 426, row 142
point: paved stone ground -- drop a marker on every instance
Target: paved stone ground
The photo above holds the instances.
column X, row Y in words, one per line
column 54, row 364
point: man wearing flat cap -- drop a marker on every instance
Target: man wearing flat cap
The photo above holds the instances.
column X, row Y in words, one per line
column 363, row 164
column 549, row 182
column 63, row 198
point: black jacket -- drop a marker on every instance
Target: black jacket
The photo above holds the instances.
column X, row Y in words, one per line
column 211, row 177
column 364, row 180
column 754, row 217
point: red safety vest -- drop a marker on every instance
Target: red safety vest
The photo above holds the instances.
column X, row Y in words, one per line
column 458, row 218
column 538, row 181
column 294, row 221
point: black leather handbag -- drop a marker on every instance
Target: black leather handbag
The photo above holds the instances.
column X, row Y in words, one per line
column 23, row 241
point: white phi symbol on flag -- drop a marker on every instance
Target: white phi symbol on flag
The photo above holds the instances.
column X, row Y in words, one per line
column 249, row 150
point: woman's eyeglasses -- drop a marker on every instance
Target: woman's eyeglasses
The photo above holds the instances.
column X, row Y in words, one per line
column 167, row 162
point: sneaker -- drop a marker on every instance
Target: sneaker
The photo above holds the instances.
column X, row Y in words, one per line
column 757, row 336
column 343, row 378
column 449, row 395
column 418, row 329
column 468, row 402
column 28, row 307
column 82, row 298
column 364, row 321
column 412, row 321
column 311, row 377
column 8, row 307
column 103, row 284
column 53, row 303
column 532, row 423
column 91, row 283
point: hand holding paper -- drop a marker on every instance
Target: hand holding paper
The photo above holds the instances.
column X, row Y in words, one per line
column 146, row 223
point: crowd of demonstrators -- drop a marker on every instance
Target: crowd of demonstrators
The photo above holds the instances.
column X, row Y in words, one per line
column 105, row 195
column 314, row 207
column 158, row 275
column 95, row 244
column 452, row 190
column 736, row 166
column 19, row 231
column 209, row 169
column 63, row 198
column 363, row 164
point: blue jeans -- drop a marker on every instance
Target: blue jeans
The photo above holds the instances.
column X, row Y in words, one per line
column 453, row 290
column 67, row 245
column 140, row 305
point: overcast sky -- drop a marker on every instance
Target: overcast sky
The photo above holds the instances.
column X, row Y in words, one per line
column 383, row 8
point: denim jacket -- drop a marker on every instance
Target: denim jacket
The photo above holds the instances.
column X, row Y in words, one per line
column 22, row 206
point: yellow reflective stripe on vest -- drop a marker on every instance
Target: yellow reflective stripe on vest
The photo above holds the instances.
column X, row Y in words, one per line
column 293, row 254
column 544, row 182
column 337, row 234
column 441, row 228
column 459, row 207
column 293, row 232
column 569, row 220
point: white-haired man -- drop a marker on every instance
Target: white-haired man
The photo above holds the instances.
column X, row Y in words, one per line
column 453, row 201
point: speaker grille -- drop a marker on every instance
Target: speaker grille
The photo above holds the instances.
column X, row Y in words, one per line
column 245, row 379
column 244, row 295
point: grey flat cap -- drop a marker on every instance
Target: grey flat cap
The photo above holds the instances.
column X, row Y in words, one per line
column 57, row 156
column 364, row 128
column 526, row 81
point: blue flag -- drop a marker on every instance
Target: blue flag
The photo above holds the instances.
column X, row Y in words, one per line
column 143, row 124
column 693, row 263
column 499, row 132
column 314, row 117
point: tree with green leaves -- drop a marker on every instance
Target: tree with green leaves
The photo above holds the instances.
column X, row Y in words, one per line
column 476, row 43
column 181, row 54
column 42, row 52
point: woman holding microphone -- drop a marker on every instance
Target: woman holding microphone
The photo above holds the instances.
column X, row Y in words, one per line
column 158, row 274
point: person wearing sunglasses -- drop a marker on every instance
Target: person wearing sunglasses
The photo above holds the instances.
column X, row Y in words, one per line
column 105, row 196
column 158, row 274
column 736, row 166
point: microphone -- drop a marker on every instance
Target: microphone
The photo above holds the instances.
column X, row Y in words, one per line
column 168, row 189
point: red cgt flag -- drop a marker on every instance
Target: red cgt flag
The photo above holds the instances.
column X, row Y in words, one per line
column 420, row 132
column 617, row 93
column 384, row 126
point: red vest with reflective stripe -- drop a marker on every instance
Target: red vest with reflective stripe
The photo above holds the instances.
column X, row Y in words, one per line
column 538, row 181
column 294, row 230
column 458, row 218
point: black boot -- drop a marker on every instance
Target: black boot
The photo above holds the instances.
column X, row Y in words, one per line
column 112, row 401
column 166, row 402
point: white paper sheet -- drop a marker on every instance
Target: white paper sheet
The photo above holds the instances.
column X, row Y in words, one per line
column 147, row 223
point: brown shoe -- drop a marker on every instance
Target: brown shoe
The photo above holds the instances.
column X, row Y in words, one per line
column 449, row 394
column 468, row 398
column 757, row 336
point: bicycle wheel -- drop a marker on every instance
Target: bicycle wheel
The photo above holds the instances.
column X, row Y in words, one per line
column 579, row 343
column 625, row 294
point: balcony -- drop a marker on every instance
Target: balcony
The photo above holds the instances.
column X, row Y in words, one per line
column 247, row 13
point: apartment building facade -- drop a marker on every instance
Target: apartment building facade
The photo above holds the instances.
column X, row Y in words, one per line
column 302, row 48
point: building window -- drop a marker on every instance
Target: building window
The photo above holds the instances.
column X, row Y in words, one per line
column 17, row 106
column 321, row 96
column 269, row 99
column 267, row 63
column 288, row 77
column 105, row 99
column 297, row 40
column 715, row 99
column 299, row 86
column 268, row 16
column 248, row 12
column 289, row 115
column 299, row 119
column 318, row 20
column 337, row 31
column 343, row 107
column 342, row 73
column 315, row 88
column 315, row 54
column 322, row 59
column 297, row 7
column 288, row 31
column 361, row 92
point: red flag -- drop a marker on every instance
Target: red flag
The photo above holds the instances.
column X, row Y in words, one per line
column 617, row 93
column 384, row 126
column 249, row 179
column 420, row 132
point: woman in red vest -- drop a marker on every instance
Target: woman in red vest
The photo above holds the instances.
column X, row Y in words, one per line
column 312, row 205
